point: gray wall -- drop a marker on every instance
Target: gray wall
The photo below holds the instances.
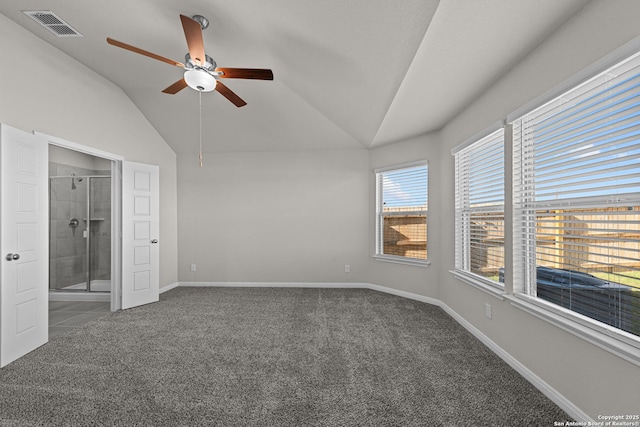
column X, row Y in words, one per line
column 274, row 217
column 596, row 381
column 71, row 102
column 415, row 279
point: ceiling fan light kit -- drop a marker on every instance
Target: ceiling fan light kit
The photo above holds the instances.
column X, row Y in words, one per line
column 199, row 75
column 200, row 80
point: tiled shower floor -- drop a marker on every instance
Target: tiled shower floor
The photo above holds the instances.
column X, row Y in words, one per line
column 66, row 315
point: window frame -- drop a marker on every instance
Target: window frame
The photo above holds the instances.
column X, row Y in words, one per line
column 610, row 338
column 463, row 211
column 379, row 255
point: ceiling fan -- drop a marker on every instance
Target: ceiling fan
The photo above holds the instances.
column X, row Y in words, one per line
column 201, row 71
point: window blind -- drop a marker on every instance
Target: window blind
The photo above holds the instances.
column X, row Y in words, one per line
column 479, row 207
column 401, row 212
column 577, row 198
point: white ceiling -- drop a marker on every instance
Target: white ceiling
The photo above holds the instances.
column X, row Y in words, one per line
column 347, row 73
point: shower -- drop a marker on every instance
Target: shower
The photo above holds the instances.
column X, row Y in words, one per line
column 80, row 230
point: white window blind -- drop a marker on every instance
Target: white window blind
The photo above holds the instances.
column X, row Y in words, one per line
column 401, row 212
column 577, row 199
column 479, row 207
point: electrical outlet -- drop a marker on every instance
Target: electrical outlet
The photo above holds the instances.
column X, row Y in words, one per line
column 193, row 267
column 347, row 268
column 487, row 310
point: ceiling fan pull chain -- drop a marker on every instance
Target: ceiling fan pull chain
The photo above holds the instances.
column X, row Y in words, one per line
column 200, row 109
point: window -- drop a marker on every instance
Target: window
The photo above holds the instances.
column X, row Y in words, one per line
column 401, row 213
column 577, row 200
column 479, row 208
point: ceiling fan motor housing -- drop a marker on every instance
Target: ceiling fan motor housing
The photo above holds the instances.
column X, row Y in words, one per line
column 208, row 65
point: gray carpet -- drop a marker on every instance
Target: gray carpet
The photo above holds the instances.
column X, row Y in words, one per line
column 270, row 357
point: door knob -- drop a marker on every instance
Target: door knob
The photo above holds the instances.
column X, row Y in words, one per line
column 154, row 241
column 12, row 257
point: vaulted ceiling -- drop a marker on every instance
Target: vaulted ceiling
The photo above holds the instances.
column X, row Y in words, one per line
column 347, row 73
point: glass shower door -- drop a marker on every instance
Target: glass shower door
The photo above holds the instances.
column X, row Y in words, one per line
column 80, row 233
column 67, row 240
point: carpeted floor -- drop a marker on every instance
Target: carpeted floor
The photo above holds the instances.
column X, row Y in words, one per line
column 270, row 357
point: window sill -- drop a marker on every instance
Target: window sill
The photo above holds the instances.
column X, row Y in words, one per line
column 611, row 339
column 402, row 260
column 494, row 290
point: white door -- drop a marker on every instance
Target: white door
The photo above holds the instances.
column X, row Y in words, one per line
column 140, row 230
column 24, row 231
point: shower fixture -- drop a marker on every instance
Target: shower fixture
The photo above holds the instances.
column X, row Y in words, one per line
column 73, row 182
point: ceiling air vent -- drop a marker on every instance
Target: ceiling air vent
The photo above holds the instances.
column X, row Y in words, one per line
column 52, row 22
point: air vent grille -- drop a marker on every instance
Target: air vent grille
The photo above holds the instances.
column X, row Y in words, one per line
column 52, row 22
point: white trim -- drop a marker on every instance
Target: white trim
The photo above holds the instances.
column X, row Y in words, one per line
column 555, row 396
column 607, row 61
column 116, row 239
column 318, row 285
column 610, row 339
column 404, row 294
column 500, row 124
column 379, row 211
column 54, row 140
column 166, row 288
column 402, row 260
column 491, row 289
column 272, row 285
column 422, row 162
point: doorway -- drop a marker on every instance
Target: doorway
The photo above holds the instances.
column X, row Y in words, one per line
column 24, row 228
column 79, row 222
column 80, row 236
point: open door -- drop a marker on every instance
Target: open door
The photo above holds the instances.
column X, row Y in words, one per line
column 24, row 234
column 140, row 230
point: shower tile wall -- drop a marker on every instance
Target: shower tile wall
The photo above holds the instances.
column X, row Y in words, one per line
column 68, row 258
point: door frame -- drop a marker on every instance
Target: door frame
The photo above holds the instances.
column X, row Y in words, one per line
column 116, row 209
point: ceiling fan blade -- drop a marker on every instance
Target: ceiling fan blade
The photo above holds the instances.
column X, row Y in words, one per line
column 143, row 52
column 230, row 95
column 245, row 73
column 176, row 87
column 193, row 34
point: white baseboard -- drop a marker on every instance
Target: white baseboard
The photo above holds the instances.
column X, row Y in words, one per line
column 166, row 288
column 404, row 294
column 553, row 395
column 556, row 397
column 275, row 285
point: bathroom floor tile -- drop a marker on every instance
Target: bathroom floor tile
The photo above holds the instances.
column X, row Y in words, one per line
column 66, row 315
